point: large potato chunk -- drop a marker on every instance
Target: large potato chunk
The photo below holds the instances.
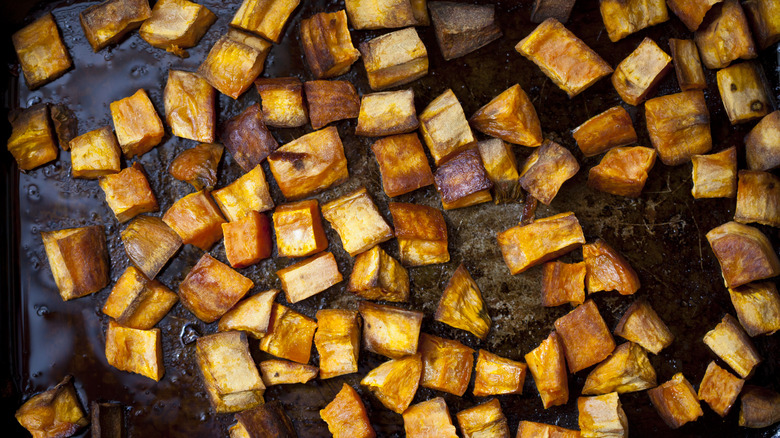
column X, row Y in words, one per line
column 289, row 335
column 676, row 401
column 461, row 305
column 444, row 127
column 719, row 388
column 765, row 17
column 691, row 12
column 546, row 169
column 138, row 127
column 744, row 92
column 196, row 219
column 106, row 23
column 429, row 419
column 78, row 258
column 762, row 144
column 462, row 28
column 744, row 253
column 395, row 382
column 447, row 364
column 610, row 129
column 563, row 283
column 525, row 246
column 501, row 167
column 283, row 372
column 529, row 429
column 246, row 194
column 128, row 193
column 189, row 106
column 497, row 375
column 402, row 163
column 379, row 14
column 150, row 243
column 42, row 54
column 679, row 126
column 758, row 198
column 394, row 59
column 602, row 416
column 627, row 370
column 309, row 277
column 53, row 413
column 298, row 228
column 247, row 138
column 760, row 407
column 95, row 154
column 346, row 415
column 483, row 420
column 715, row 175
column 211, row 288
column 176, row 25
column 388, row 113
column 247, row 240
column 198, row 165
column 725, row 36
column 640, row 324
column 511, row 117
column 135, row 351
column 264, row 420
column 137, row 302
column 358, row 222
column 462, row 181
column 421, row 233
column 234, row 62
column 390, row 331
column 687, row 64
column 623, row 171
column 378, row 276
column 282, row 100
column 547, row 365
column 730, row 343
column 585, row 336
column 337, row 341
column 330, row 101
column 32, row 138
column 608, row 270
column 758, row 307
column 327, row 44
column 264, row 17
column 640, row 72
column 252, row 315
column 624, row 17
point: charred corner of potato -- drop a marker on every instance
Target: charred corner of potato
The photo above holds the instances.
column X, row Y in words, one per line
column 447, row 364
column 496, row 375
column 380, row 14
column 511, row 117
column 211, row 288
column 55, row 412
column 745, row 253
column 758, row 307
column 462, row 181
column 719, row 389
column 135, row 351
column 608, row 270
column 247, row 240
column 137, row 302
column 679, row 126
column 623, row 171
column 196, row 219
column 264, row 17
column 198, row 165
column 394, row 59
column 639, row 73
column 78, row 258
column 691, row 12
column 395, row 382
column 463, row 28
column 107, row 420
column 610, row 129
column 32, row 138
column 387, row 113
column 762, row 144
column 426, row 416
column 624, row 17
column 289, row 335
column 252, row 315
column 546, row 169
column 176, row 25
column 327, row 44
column 687, row 64
column 732, row 345
column 42, row 54
column 725, row 36
column 189, row 106
column 246, row 194
column 764, row 16
column 602, row 415
column 547, row 364
column 641, row 325
column 627, row 369
column 525, row 246
column 758, row 198
column 485, row 419
column 390, row 331
column 330, row 101
column 461, row 305
column 421, row 232
column 501, row 167
column 284, row 372
column 585, row 337
column 378, row 276
column 346, row 415
column 282, row 102
column 676, row 401
column 248, row 139
column 107, row 22
column 309, row 277
column 558, row 9
column 338, row 342
column 128, row 192
column 760, row 407
column 95, row 154
column 529, row 429
column 715, row 175
column 444, row 127
column 744, row 92
column 298, row 228
column 234, row 62
column 402, row 164
column 357, row 221
column 563, row 283
column 268, row 418
column 150, row 243
column 138, row 127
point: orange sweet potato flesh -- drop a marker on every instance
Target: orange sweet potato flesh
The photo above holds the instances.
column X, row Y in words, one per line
column 390, row 331
column 403, row 164
column 525, row 246
column 447, row 364
column 198, row 165
column 211, row 288
column 563, row 283
column 248, row 240
column 338, row 342
column 497, row 375
column 511, row 117
column 608, row 270
column 679, row 126
column 586, row 338
column 429, row 419
column 547, row 364
column 330, row 101
column 719, row 388
column 196, row 219
column 546, row 169
column 395, row 382
column 346, row 415
column 744, row 253
column 298, row 228
column 640, row 324
column 281, row 372
column 676, row 401
column 600, row 133
column 289, row 335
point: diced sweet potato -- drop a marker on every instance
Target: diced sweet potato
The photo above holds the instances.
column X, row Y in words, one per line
column 719, row 388
column 525, row 246
column 676, row 401
column 309, row 164
column 608, row 270
column 337, row 341
column 138, row 127
column 128, row 193
column 395, row 382
column 247, row 240
column 687, row 64
column 679, row 126
column 330, row 101
column 107, row 420
column 234, row 62
column 189, row 105
column 602, row 416
column 429, row 419
column 627, row 369
column 137, row 302
column 95, row 154
column 66, row 126
column 211, row 288
column 496, row 375
column 501, row 167
column 267, row 419
column 327, row 44
column 150, row 243
column 547, row 364
column 421, row 233
column 157, row 300
column 380, row 14
column 463, row 28
column 730, row 343
column 346, row 415
column 32, row 139
column 462, row 180
column 176, row 25
column 758, row 307
column 461, row 305
column 641, row 325
column 249, row 193
column 135, row 351
column 691, row 12
column 264, row 17
column 388, row 113
column 298, row 228
column 394, row 59
column 390, row 331
column 107, row 22
column 309, row 277
column 483, row 420
column 563, row 283
column 56, row 412
column 765, row 19
column 744, row 253
column 585, row 336
column 377, row 276
column 546, row 169
column 610, row 129
column 562, row 57
column 529, row 429
column 725, row 36
column 42, row 54
column 624, row 17
column 762, row 144
column 196, row 219
column 282, row 372
column 758, row 198
column 760, row 407
column 282, row 100
column 511, row 117
column 743, row 91
column 289, row 334
column 447, row 364
column 358, row 222
column 78, row 258
column 715, row 175
column 252, row 315
column 248, row 139
column 544, row 9
column 640, row 72
column 444, row 127
column 198, row 165
column 402, row 163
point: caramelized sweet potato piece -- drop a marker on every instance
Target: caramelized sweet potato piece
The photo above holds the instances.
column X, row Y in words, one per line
column 765, row 17
column 394, row 59
column 135, row 351
column 198, row 165
column 529, row 429
column 402, row 163
column 563, row 283
column 246, row 194
column 337, row 341
column 444, row 127
column 106, row 23
column 247, row 138
column 447, row 364
column 289, row 335
column 138, row 127
column 390, row 331
column 265, row 420
column 78, row 258
column 744, row 253
column 327, row 44
column 189, row 106
column 309, row 277
column 640, row 72
column 496, row 375
column 378, row 276
column 107, row 420
column 42, row 54
column 283, row 105
column 330, row 101
column 196, row 219
column 388, row 113
column 679, row 126
column 95, row 154
column 429, row 419
column 421, row 233
column 358, row 222
column 547, row 364
column 252, row 315
column 744, row 92
column 525, row 246
column 725, row 36
column 602, row 416
column 511, row 117
column 758, row 198
column 176, row 25
column 462, row 181
column 483, row 420
column 760, row 407
column 624, row 17
column 55, row 412
column 627, row 369
column 676, row 401
column 128, row 193
column 610, row 129
column 463, row 28
column 640, row 324
column 137, row 302
column 585, row 336
column 150, row 243
column 730, row 343
column 380, row 14
column 211, row 288
column 546, row 169
column 687, row 64
column 691, row 12
column 715, row 175
column 395, row 382
column 719, row 388
column 762, row 144
column 544, row 9
column 32, row 139
column 758, row 307
column 608, row 270
column 346, row 415
column 264, row 17
column 247, row 240
column 298, row 228
column 461, row 305
column 233, row 63
column 282, row 372
column 501, row 167
column 66, row 126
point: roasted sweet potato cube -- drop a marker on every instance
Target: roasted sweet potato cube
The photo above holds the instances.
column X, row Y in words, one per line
column 107, row 420
column 56, row 412
column 309, row 277
column 252, row 315
column 444, row 127
column 248, row 139
column 327, row 44
column 394, row 59
column 234, row 62
column 762, row 144
column 421, row 233
column 641, row 325
column 624, row 17
column 676, row 401
column 529, row 429
column 378, row 276
column 627, row 369
column 715, row 175
column 358, row 222
column 743, row 91
column 298, row 228
column 482, row 420
column 744, row 253
column 388, row 113
column 265, row 420
column 585, row 336
column 66, row 126
column 719, row 388
column 447, row 364
column 730, row 343
column 157, row 300
column 138, row 127
column 546, row 169
column 765, row 19
column 150, row 243
column 135, row 351
column 289, row 335
column 346, row 415
column 106, row 23
column 41, row 51
column 95, row 154
column 429, row 419
column 607, row 270
column 211, row 288
column 395, row 382
column 249, row 193
column 337, row 341
column 725, row 36
column 189, row 105
column 264, row 17
column 511, row 117
column 562, row 57
column 78, row 258
column 602, row 416
column 283, row 372
column 547, row 364
column 128, row 193
column 758, row 307
column 380, row 14
column 176, row 25
column 679, row 126
column 544, row 9
column 390, row 331
column 758, row 198
column 691, row 12
column 760, row 407
column 640, row 72
column 229, row 373
column 137, row 302
column 198, row 165
column 330, row 101
column 501, row 167
column 196, row 219
column 687, row 64
column 282, row 100
column 247, row 240
column 563, row 283
column 496, row 375
column 32, row 138
column 525, row 246
column 402, row 163
column 309, row 164
column 461, row 305
column 610, row 129
column 463, row 28
column 462, row 181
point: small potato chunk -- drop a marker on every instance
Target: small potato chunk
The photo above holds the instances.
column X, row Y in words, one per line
column 730, row 343
column 760, row 407
column 501, row 167
column 562, row 57
column 544, row 9
column 264, row 420
column 150, row 243
column 377, row 276
column 66, row 126
column 189, row 105
column 137, row 302
column 346, row 415
column 390, row 331
column 211, row 288
column 529, row 429
column 743, row 91
column 585, row 336
column 107, row 420
column 252, row 315
column 330, row 101
column 106, row 23
column 249, row 193
column 602, row 416
column 563, row 283
column 380, row 14
column 758, row 198
column 715, row 175
column 337, row 341
column 687, row 64
column 610, row 129
column 725, row 36
column 429, row 419
column 762, row 144
column 395, row 382
column 309, row 277
column 496, row 375
column 679, row 126
column 758, row 307
column 624, row 17
column 641, row 325
column 78, row 258
column 309, row 164
column 402, row 163
column 608, row 270
column 264, row 17
column 298, row 228
column 744, row 253
column 511, row 117
column 196, row 219
column 282, row 100
column 198, row 165
column 676, row 401
column 765, row 19
column 32, row 138
column 234, row 62
column 247, row 138
column 462, row 28
column 41, row 51
column 282, row 372
column 640, row 72
column 128, row 193
column 461, row 305
column 176, row 25
column 525, row 246
column 719, row 388
column 358, row 222
column 95, row 154
column 447, row 364
column 546, row 169
column 462, row 181
column 444, row 127
column 135, row 351
column 327, row 44
column 691, row 12
column 421, row 233
column 547, row 364
column 56, row 412
column 626, row 370
column 289, row 335
column 229, row 373
column 394, row 59
column 388, row 113
column 247, row 240
column 483, row 420
column 138, row 127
